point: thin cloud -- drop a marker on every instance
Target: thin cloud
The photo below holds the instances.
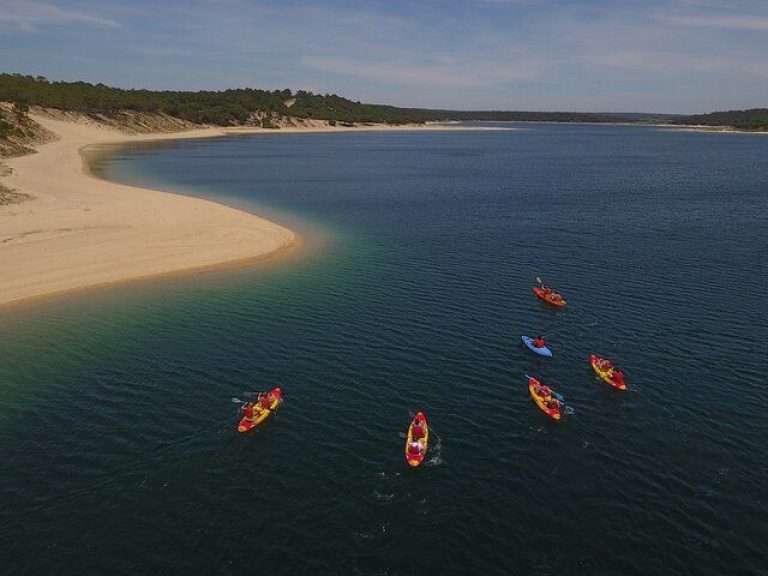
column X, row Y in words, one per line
column 672, row 63
column 28, row 16
column 448, row 73
column 724, row 21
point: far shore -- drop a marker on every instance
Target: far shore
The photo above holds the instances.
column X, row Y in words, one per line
column 716, row 129
column 78, row 231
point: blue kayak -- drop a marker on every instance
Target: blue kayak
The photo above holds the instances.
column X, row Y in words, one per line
column 528, row 341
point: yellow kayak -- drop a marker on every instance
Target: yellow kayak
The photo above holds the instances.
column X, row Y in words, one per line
column 416, row 458
column 260, row 411
column 606, row 375
column 542, row 402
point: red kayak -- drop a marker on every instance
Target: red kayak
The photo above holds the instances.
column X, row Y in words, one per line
column 262, row 409
column 542, row 401
column 549, row 296
column 416, row 448
column 605, row 369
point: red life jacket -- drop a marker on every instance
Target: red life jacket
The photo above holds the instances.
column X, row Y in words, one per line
column 266, row 401
column 414, row 449
column 417, row 432
column 248, row 412
column 539, row 343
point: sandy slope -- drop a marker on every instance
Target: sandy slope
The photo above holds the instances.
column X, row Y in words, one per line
column 80, row 231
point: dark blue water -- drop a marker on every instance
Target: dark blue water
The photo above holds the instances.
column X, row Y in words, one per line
column 117, row 430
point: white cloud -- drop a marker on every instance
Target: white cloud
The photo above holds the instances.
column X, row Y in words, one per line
column 676, row 63
column 444, row 72
column 29, row 15
column 724, row 21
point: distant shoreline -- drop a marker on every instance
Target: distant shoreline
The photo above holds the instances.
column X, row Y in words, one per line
column 80, row 232
column 716, row 129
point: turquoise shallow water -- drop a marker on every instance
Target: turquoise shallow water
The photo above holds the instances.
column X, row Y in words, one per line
column 117, row 436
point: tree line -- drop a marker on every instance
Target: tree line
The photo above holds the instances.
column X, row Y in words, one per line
column 753, row 119
column 238, row 106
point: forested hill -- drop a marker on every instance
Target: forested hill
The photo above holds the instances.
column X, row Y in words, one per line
column 754, row 119
column 243, row 106
column 249, row 106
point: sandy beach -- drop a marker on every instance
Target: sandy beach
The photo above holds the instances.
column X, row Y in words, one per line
column 79, row 231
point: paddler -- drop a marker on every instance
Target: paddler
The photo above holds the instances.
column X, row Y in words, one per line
column 248, row 409
column 417, row 430
column 617, row 376
column 415, row 449
column 265, row 401
column 545, row 391
column 552, row 403
column 538, row 342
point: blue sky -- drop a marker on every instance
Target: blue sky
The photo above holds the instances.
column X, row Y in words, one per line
column 592, row 55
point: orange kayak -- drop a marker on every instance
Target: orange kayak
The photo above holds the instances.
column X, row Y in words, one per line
column 263, row 409
column 542, row 402
column 416, row 458
column 606, row 372
column 549, row 296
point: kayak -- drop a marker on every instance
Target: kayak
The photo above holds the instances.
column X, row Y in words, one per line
column 544, row 351
column 275, row 396
column 548, row 297
column 541, row 402
column 606, row 375
column 415, row 460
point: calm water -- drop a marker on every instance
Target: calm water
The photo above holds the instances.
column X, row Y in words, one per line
column 117, row 428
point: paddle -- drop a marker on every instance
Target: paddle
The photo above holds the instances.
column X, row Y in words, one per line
column 243, row 401
column 558, row 396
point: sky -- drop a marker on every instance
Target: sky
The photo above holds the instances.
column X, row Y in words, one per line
column 673, row 56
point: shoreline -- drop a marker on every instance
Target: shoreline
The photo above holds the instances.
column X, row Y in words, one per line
column 80, row 232
column 712, row 129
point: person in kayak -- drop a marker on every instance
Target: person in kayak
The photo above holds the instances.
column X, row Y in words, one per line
column 545, row 391
column 538, row 342
column 248, row 411
column 552, row 403
column 415, row 449
column 617, row 376
column 603, row 364
column 265, row 401
column 417, row 431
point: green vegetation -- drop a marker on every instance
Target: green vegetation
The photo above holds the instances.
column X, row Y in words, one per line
column 240, row 106
column 5, row 128
column 754, row 119
column 266, row 108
